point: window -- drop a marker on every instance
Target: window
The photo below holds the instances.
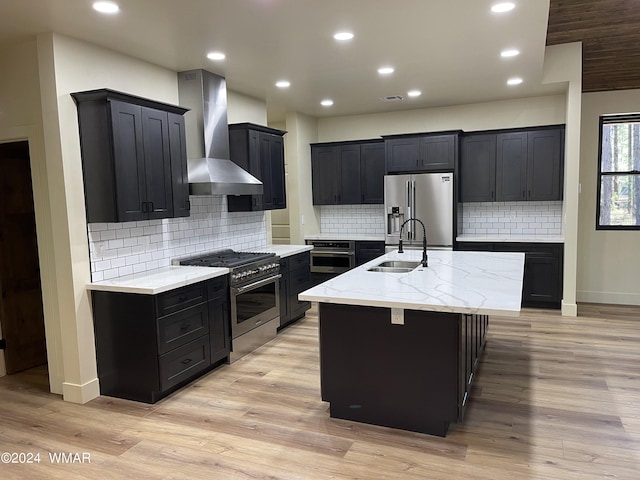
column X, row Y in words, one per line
column 619, row 173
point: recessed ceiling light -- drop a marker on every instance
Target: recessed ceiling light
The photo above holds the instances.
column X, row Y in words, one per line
column 326, row 102
column 414, row 93
column 216, row 56
column 343, row 36
column 509, row 53
column 106, row 7
column 514, row 81
column 502, row 7
column 283, row 84
column 385, row 70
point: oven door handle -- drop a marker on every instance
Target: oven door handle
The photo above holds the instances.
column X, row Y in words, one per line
column 257, row 284
column 322, row 253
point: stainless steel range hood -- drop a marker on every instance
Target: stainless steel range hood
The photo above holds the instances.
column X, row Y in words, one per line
column 209, row 168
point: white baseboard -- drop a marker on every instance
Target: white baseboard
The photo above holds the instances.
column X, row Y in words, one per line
column 614, row 298
column 569, row 309
column 74, row 393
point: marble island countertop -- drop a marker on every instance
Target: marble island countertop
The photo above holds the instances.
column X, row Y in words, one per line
column 487, row 283
column 164, row 279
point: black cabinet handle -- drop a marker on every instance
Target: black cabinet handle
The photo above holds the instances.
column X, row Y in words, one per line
column 144, row 207
column 151, row 207
column 186, row 361
column 182, row 299
column 188, row 204
column 185, row 326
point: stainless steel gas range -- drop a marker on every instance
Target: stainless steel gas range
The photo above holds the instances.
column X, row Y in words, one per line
column 254, row 295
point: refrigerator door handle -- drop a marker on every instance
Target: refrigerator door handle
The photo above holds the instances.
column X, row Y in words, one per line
column 409, row 208
column 413, row 205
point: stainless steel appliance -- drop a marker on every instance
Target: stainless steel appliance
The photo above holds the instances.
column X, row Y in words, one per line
column 425, row 196
column 330, row 258
column 254, row 294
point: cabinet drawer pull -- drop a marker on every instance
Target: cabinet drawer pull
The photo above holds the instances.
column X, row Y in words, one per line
column 186, row 361
column 182, row 299
column 185, row 327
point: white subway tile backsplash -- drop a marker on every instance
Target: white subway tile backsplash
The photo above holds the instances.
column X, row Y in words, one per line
column 118, row 249
column 352, row 219
column 512, row 218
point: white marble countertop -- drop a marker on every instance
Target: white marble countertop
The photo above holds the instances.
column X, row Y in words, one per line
column 287, row 250
column 346, row 236
column 511, row 238
column 158, row 280
column 167, row 278
column 487, row 283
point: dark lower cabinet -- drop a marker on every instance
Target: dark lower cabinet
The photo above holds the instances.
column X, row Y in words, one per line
column 416, row 376
column 542, row 282
column 148, row 346
column 295, row 279
column 367, row 250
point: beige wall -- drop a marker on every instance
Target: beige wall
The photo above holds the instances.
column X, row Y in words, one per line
column 304, row 218
column 241, row 108
column 522, row 112
column 608, row 261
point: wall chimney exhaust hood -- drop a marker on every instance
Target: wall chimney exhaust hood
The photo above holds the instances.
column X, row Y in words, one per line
column 207, row 133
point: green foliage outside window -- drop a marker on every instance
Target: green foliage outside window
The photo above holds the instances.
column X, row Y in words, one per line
column 619, row 173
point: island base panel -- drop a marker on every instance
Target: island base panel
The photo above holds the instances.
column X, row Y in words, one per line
column 401, row 376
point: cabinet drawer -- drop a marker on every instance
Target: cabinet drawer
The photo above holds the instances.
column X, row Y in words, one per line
column 181, row 327
column 184, row 362
column 301, row 260
column 181, row 298
column 217, row 288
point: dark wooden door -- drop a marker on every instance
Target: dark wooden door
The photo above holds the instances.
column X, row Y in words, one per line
column 372, row 172
column 323, row 166
column 180, row 180
column 478, row 168
column 21, row 312
column 272, row 156
column 348, row 175
column 157, row 163
column 402, row 154
column 438, row 152
column 128, row 153
column 511, row 167
column 544, row 175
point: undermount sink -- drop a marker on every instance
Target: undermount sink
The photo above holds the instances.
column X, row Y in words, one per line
column 394, row 266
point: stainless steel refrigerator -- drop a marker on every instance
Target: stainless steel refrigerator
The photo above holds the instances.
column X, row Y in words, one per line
column 425, row 196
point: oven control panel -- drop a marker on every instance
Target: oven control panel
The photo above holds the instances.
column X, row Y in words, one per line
column 255, row 271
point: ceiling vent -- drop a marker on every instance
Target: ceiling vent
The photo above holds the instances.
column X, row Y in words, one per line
column 392, row 98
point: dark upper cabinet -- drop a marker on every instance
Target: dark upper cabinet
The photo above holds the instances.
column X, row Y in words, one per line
column 347, row 173
column 372, row 172
column 544, row 168
column 478, row 168
column 421, row 153
column 512, row 165
column 133, row 157
column 260, row 151
column 402, row 154
column 324, row 168
column 438, row 152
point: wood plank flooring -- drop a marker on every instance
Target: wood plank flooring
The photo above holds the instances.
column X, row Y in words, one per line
column 555, row 398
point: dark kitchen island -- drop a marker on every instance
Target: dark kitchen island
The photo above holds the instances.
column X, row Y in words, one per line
column 400, row 349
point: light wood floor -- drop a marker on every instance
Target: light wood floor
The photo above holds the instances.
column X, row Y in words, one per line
column 555, row 398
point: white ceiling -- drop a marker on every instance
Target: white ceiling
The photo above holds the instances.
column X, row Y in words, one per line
column 448, row 49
